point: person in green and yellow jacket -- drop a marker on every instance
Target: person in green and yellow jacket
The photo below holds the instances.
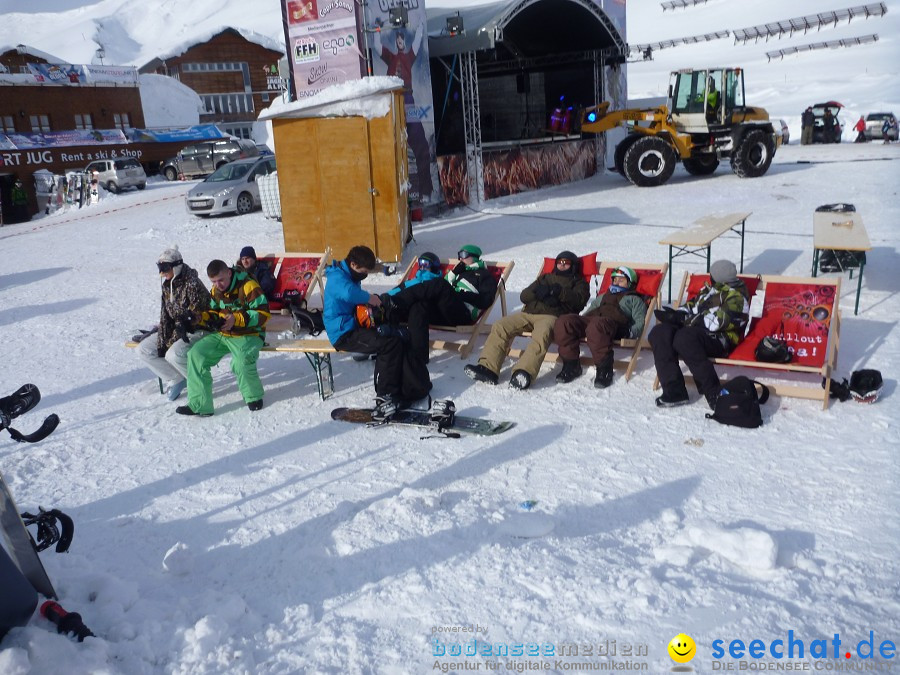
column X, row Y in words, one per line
column 239, row 311
column 710, row 325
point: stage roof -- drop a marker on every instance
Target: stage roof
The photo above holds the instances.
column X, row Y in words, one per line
column 525, row 28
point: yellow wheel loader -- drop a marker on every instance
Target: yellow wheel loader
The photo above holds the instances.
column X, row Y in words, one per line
column 706, row 120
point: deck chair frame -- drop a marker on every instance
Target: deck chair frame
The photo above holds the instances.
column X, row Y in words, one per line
column 819, row 388
column 480, row 326
column 635, row 345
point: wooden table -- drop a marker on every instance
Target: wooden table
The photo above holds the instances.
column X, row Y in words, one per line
column 836, row 231
column 693, row 239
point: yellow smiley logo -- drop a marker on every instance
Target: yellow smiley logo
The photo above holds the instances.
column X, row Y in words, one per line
column 682, row 648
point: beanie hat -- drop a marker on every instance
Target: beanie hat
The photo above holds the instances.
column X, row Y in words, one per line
column 248, row 252
column 723, row 272
column 567, row 255
column 171, row 255
column 471, row 248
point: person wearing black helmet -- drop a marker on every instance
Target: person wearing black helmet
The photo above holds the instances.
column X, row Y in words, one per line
column 561, row 291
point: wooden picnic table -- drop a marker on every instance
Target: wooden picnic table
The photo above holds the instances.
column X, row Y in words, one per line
column 840, row 231
column 694, row 238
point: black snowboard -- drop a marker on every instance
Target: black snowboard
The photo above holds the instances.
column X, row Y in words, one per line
column 20, row 545
column 422, row 419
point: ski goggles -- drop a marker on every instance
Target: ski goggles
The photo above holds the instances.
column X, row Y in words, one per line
column 425, row 262
column 462, row 255
column 166, row 266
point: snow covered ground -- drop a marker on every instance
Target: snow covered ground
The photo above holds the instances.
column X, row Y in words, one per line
column 283, row 542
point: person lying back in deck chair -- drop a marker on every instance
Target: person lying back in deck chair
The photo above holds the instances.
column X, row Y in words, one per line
column 710, row 325
column 618, row 313
column 456, row 299
column 562, row 291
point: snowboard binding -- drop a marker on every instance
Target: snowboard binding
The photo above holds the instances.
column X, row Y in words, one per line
column 18, row 403
column 48, row 531
column 443, row 413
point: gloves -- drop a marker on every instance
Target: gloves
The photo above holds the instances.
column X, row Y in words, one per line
column 214, row 321
column 459, row 268
column 555, row 290
column 542, row 291
column 670, row 315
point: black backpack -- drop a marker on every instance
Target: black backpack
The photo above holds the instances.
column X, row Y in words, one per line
column 738, row 403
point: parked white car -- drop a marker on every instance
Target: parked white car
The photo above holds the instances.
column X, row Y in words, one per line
column 116, row 174
column 874, row 122
column 231, row 188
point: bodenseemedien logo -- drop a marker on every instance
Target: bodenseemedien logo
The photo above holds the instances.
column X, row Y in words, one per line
column 681, row 650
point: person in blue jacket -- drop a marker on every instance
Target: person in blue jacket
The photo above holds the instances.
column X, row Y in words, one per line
column 400, row 375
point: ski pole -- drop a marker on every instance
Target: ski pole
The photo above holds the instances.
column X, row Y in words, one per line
column 66, row 622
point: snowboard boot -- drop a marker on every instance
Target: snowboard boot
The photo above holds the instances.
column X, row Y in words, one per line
column 255, row 405
column 393, row 330
column 386, row 406
column 176, row 389
column 570, row 370
column 187, row 410
column 481, row 373
column 520, row 380
column 604, row 376
column 673, row 398
column 359, row 358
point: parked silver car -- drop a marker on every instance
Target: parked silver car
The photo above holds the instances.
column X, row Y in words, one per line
column 874, row 123
column 201, row 159
column 231, row 188
column 116, row 174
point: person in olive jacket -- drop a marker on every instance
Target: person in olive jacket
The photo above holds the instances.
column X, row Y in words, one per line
column 562, row 291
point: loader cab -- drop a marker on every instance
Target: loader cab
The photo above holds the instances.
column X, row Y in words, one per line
column 700, row 99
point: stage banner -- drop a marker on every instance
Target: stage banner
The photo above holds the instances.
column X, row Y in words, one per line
column 403, row 52
column 322, row 39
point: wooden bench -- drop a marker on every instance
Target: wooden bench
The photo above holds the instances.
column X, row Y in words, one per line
column 297, row 275
column 693, row 239
column 650, row 278
column 802, row 311
column 468, row 333
column 841, row 231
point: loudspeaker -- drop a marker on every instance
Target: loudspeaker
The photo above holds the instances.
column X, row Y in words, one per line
column 523, row 83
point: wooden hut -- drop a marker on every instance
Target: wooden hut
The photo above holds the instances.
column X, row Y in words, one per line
column 343, row 168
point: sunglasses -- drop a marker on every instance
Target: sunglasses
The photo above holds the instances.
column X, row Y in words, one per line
column 564, row 262
column 166, row 266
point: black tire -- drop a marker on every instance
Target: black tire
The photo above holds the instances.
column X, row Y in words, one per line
column 621, row 149
column 112, row 187
column 171, row 173
column 753, row 155
column 141, row 186
column 244, row 203
column 650, row 161
column 703, row 165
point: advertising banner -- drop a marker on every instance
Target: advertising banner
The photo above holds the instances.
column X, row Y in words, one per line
column 198, row 132
column 48, row 139
column 322, row 42
column 403, row 52
column 57, row 73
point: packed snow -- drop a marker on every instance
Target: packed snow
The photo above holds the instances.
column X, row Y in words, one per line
column 282, row 542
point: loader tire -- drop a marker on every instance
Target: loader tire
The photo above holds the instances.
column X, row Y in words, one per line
column 701, row 166
column 753, row 155
column 650, row 161
column 621, row 149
